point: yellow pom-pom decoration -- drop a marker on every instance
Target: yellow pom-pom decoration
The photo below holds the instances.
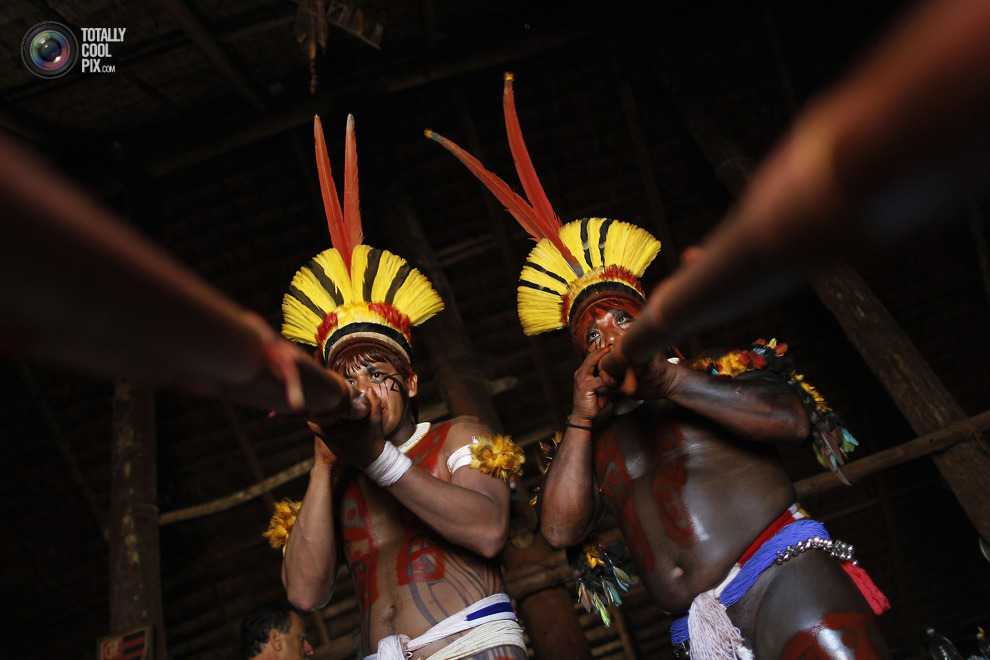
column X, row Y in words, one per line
column 281, row 523
column 497, row 456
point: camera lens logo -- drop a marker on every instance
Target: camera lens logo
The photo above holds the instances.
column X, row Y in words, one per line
column 49, row 50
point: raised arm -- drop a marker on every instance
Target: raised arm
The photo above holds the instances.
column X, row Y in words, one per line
column 569, row 501
column 471, row 510
column 309, row 567
column 754, row 405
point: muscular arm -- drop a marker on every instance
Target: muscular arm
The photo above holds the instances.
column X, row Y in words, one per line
column 471, row 510
column 569, row 501
column 309, row 567
column 754, row 405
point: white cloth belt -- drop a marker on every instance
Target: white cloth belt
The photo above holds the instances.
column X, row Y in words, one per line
column 496, row 607
column 483, row 638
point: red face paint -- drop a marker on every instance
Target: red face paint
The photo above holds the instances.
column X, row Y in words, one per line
column 595, row 311
column 836, row 635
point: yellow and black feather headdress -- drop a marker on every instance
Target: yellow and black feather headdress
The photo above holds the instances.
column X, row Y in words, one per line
column 570, row 263
column 352, row 291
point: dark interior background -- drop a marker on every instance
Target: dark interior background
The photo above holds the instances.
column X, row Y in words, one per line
column 204, row 143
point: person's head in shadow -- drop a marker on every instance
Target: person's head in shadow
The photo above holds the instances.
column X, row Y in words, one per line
column 274, row 631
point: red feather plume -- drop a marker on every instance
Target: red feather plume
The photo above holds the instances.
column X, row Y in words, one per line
column 545, row 219
column 514, row 204
column 340, row 237
column 524, row 165
column 352, row 210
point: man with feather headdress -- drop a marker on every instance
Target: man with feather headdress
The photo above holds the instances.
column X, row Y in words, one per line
column 681, row 455
column 418, row 512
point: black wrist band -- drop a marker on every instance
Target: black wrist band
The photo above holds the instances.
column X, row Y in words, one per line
column 578, row 426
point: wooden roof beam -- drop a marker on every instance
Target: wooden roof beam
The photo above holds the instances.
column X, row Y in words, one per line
column 214, row 52
column 229, row 134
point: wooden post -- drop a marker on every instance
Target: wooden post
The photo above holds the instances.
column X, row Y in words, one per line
column 135, row 592
column 919, row 394
column 554, row 630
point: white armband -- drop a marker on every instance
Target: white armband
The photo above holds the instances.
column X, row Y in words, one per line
column 390, row 465
column 461, row 457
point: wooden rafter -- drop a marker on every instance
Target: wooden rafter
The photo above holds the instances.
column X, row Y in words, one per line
column 204, row 40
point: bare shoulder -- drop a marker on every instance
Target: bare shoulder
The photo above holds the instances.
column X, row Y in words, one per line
column 463, row 430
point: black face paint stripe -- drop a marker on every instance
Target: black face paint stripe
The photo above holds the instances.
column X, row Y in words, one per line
column 371, row 271
column 584, row 241
column 546, row 272
column 304, row 299
column 325, row 282
column 400, row 278
column 602, row 237
column 397, row 386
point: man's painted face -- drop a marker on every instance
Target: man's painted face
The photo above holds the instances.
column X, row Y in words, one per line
column 603, row 325
column 388, row 384
column 296, row 647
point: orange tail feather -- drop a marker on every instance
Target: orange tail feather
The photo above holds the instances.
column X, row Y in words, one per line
column 335, row 216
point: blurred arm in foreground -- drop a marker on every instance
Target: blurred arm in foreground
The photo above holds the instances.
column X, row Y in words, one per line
column 79, row 288
column 903, row 137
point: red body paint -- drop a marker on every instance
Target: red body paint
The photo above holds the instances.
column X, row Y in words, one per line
column 428, row 452
column 421, row 558
column 360, row 543
column 668, row 484
column 836, row 635
column 616, row 486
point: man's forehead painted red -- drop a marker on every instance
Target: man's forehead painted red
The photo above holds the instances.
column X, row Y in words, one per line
column 597, row 308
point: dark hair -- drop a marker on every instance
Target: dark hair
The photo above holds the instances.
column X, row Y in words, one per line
column 259, row 621
column 358, row 353
column 361, row 352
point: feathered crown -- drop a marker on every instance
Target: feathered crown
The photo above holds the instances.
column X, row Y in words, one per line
column 352, row 291
column 570, row 263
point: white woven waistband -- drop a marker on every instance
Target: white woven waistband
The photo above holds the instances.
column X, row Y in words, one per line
column 496, row 607
column 486, row 636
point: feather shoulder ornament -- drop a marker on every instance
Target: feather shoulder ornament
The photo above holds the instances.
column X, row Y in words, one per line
column 281, row 523
column 831, row 441
column 498, row 456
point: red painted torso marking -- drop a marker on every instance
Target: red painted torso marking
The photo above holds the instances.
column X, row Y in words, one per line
column 668, row 483
column 360, row 544
column 836, row 635
column 616, row 486
column 428, row 452
column 420, row 555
